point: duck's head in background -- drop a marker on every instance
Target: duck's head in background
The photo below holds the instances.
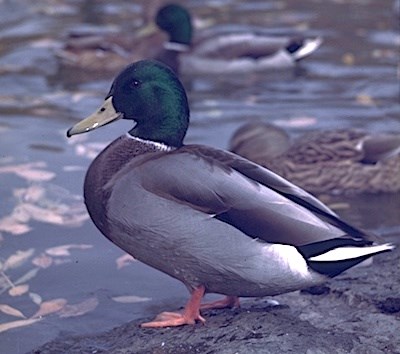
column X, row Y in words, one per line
column 176, row 21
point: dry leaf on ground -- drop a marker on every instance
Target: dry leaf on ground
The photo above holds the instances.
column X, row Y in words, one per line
column 18, row 290
column 30, row 194
column 128, row 299
column 40, row 214
column 18, row 258
column 15, row 324
column 8, row 310
column 124, row 260
column 48, row 307
column 46, row 203
column 42, row 261
column 64, row 249
column 348, row 59
column 10, row 225
column 27, row 276
column 80, row 308
column 36, row 298
column 365, row 100
column 29, row 171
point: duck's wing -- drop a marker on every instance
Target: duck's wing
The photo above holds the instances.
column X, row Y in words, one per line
column 232, row 189
column 287, row 189
column 254, row 45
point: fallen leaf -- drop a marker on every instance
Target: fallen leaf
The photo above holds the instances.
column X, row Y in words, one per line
column 10, row 225
column 27, row 276
column 64, row 249
column 365, row 100
column 36, row 298
column 73, row 168
column 36, row 175
column 48, row 307
column 80, row 308
column 60, row 261
column 44, row 205
column 7, row 309
column 29, row 171
column 42, row 261
column 15, row 324
column 41, row 214
column 18, row 258
column 18, row 290
column 348, row 59
column 130, row 299
column 76, row 220
column 124, row 260
column 31, row 194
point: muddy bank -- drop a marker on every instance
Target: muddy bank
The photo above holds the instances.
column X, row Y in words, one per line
column 357, row 312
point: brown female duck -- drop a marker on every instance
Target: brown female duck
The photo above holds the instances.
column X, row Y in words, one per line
column 330, row 161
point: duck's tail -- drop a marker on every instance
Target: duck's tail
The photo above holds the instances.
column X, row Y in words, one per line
column 302, row 47
column 333, row 257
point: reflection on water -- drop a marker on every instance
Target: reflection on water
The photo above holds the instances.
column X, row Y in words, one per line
column 58, row 274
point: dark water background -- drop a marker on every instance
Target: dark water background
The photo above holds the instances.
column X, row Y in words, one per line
column 352, row 81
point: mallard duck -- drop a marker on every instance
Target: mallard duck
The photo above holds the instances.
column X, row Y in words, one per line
column 92, row 49
column 211, row 52
column 330, row 161
column 207, row 217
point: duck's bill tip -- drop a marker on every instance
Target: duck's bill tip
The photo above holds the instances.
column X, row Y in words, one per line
column 102, row 116
column 69, row 133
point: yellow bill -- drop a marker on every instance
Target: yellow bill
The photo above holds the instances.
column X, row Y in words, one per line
column 104, row 115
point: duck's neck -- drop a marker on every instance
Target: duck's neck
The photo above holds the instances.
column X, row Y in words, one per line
column 181, row 34
column 166, row 134
column 167, row 123
column 151, row 145
column 176, row 47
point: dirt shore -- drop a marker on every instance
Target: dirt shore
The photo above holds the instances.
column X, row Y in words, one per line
column 357, row 312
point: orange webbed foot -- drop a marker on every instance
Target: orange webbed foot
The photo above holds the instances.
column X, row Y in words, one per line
column 190, row 314
column 226, row 302
column 172, row 319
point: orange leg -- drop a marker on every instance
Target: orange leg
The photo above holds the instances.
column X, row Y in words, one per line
column 190, row 314
column 226, row 302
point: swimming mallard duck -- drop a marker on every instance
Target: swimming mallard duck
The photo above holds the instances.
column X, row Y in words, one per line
column 207, row 217
column 92, row 49
column 330, row 161
column 212, row 52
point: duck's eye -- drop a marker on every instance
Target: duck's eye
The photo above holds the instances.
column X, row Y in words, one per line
column 135, row 83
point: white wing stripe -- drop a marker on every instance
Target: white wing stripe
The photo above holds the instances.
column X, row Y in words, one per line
column 343, row 253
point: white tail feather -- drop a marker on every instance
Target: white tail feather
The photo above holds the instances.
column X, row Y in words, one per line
column 351, row 252
column 310, row 45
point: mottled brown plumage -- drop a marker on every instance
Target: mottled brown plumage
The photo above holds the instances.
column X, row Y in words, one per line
column 329, row 161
